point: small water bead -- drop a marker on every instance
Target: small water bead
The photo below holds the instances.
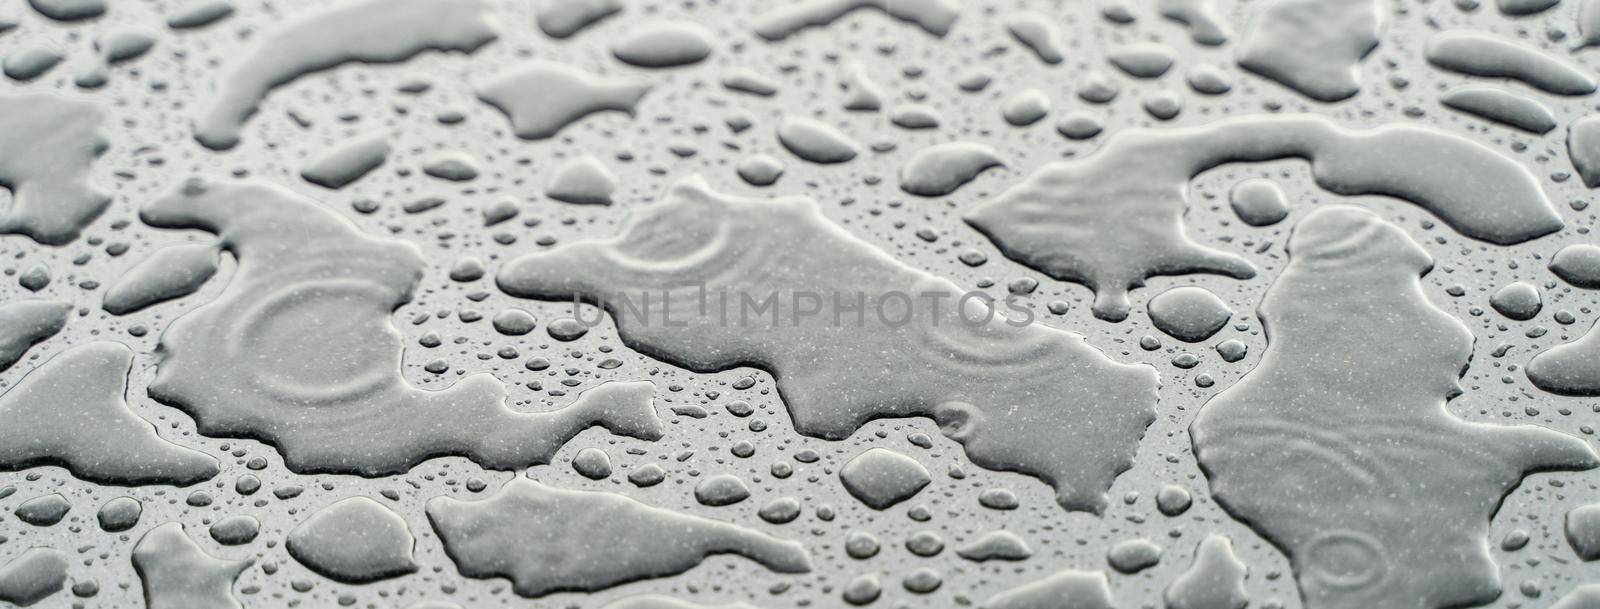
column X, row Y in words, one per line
column 1134, row 555
column 86, row 588
column 126, row 44
column 745, row 80
column 919, row 439
column 664, row 44
column 760, row 169
column 1578, row 264
column 863, row 589
column 721, row 490
column 513, row 322
column 1232, row 350
column 998, row 499
column 469, row 268
column 914, row 116
column 582, row 180
column 499, row 211
column 119, row 514
column 69, row 10
column 815, row 141
column 355, row 540
column 1520, row 301
column 1143, row 59
column 943, row 168
column 454, row 166
column 920, row 513
column 1525, row 7
column 781, row 510
column 1501, row 106
column 972, row 82
column 1207, row 79
column 647, row 475
column 1039, row 33
column 43, row 511
column 1025, row 108
column 1189, row 313
column 1079, row 125
column 566, row 329
column 1515, row 540
column 593, row 463
column 1259, row 202
column 996, row 545
column 1583, row 148
column 199, row 13
column 925, row 543
column 826, row 513
column 861, row 93
column 693, row 411
column 861, row 545
column 235, row 530
column 36, row 278
column 417, row 206
column 881, row 478
column 922, row 581
column 31, row 61
column 1118, row 11
column 1173, row 500
column 1530, row 588
column 1582, row 528
column 1098, row 88
column 564, row 18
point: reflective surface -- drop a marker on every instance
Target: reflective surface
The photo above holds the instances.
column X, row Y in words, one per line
column 760, row 304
